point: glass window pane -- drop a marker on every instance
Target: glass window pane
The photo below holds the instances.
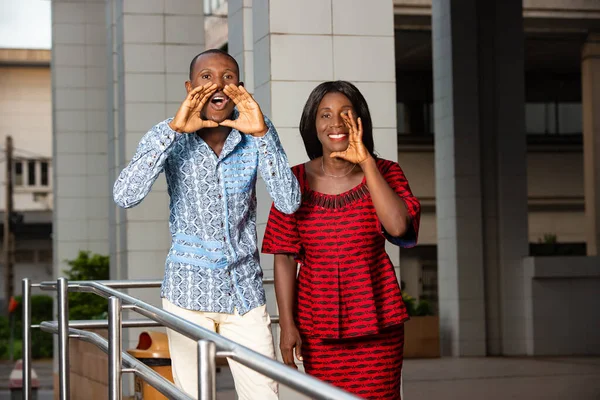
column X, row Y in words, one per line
column 24, row 256
column 400, row 117
column 540, row 118
column 45, row 256
column 535, row 118
column 31, row 173
column 430, row 115
column 551, row 118
column 44, row 174
column 570, row 118
column 18, row 173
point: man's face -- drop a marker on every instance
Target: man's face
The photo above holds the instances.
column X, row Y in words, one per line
column 221, row 70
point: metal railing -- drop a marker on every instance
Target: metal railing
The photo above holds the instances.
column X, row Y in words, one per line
column 210, row 344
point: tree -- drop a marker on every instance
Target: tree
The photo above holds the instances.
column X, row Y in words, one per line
column 87, row 267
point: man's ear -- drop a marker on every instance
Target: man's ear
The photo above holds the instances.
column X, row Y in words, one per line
column 188, row 86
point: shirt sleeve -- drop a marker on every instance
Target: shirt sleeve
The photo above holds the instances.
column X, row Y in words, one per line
column 136, row 179
column 395, row 177
column 275, row 170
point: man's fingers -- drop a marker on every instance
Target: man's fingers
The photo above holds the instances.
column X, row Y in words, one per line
column 244, row 94
column 235, row 93
column 228, row 123
column 209, row 124
column 202, row 89
column 232, row 92
column 205, row 98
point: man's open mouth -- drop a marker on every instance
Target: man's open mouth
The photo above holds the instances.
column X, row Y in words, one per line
column 219, row 101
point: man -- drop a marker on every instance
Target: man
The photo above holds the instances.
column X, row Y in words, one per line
column 210, row 153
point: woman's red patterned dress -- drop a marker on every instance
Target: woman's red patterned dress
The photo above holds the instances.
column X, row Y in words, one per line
column 349, row 308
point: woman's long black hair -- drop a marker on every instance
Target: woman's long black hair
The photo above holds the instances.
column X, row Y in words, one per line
column 308, row 128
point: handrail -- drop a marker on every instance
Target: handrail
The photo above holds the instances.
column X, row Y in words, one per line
column 119, row 284
column 302, row 383
column 139, row 368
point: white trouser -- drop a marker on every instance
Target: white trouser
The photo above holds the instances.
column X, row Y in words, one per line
column 252, row 330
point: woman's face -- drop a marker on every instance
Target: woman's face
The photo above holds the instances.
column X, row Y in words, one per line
column 331, row 131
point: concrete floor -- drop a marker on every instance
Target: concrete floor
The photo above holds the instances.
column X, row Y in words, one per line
column 503, row 378
column 487, row 378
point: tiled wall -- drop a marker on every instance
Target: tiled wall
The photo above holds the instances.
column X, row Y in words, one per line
column 561, row 304
column 80, row 126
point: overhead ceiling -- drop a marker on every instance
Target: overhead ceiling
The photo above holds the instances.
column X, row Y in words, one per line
column 560, row 52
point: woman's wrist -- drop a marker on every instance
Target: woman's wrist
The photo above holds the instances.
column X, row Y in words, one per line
column 367, row 163
column 286, row 323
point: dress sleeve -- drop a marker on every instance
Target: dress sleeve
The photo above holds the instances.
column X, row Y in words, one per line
column 281, row 235
column 395, row 177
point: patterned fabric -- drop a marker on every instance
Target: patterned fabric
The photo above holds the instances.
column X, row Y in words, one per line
column 369, row 367
column 347, row 286
column 213, row 263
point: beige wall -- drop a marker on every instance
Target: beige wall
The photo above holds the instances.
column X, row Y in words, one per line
column 555, row 180
column 25, row 108
column 26, row 115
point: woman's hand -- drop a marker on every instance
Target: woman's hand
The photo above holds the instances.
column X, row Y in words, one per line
column 290, row 341
column 356, row 152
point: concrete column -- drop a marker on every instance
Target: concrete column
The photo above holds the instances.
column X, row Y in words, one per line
column 590, row 79
column 153, row 43
column 79, row 129
column 504, row 155
column 481, row 190
column 241, row 39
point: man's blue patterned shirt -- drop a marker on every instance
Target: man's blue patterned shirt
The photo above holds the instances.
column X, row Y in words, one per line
column 213, row 263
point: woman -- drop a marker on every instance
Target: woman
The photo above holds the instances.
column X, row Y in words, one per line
column 343, row 315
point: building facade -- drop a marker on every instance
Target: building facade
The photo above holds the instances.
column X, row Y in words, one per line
column 26, row 116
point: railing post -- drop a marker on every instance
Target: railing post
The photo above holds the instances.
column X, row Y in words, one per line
column 26, row 352
column 115, row 348
column 207, row 370
column 62, row 289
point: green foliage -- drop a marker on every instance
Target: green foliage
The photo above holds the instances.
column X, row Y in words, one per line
column 423, row 309
column 549, row 238
column 87, row 267
column 416, row 308
column 41, row 342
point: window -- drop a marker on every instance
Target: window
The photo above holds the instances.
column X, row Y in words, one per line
column 24, row 256
column 18, row 173
column 44, row 173
column 45, row 256
column 415, row 118
column 31, row 173
column 555, row 118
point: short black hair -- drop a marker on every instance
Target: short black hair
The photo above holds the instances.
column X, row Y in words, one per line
column 308, row 128
column 214, row 51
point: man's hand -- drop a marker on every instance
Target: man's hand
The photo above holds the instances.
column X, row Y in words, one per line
column 250, row 119
column 188, row 119
column 289, row 340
